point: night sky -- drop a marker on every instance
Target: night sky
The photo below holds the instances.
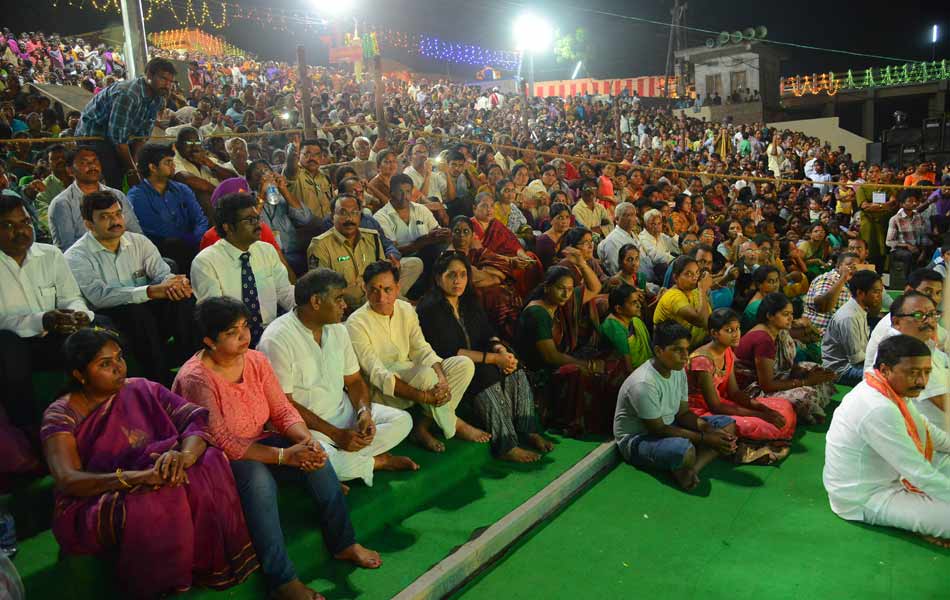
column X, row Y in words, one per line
column 624, row 47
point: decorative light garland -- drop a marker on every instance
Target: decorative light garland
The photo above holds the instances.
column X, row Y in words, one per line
column 468, row 54
column 889, row 76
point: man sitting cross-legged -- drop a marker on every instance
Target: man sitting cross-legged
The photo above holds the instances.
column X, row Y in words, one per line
column 653, row 425
column 885, row 463
column 311, row 353
column 402, row 367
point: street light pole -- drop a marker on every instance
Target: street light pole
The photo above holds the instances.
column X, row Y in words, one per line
column 136, row 47
column 933, row 44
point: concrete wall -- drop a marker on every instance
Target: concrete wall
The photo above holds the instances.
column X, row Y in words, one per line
column 827, row 130
column 741, row 114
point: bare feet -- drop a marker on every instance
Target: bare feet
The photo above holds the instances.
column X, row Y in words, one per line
column 942, row 542
column 294, row 590
column 539, row 443
column 520, row 455
column 388, row 462
column 422, row 436
column 361, row 557
column 686, row 478
column 471, row 434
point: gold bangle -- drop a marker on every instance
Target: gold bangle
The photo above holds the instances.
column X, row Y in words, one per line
column 118, row 475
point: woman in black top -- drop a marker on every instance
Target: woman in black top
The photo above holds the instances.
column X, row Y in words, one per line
column 454, row 323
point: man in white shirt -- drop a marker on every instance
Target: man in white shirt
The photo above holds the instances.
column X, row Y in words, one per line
column 929, row 283
column 623, row 233
column 65, row 216
column 122, row 275
column 237, row 151
column 589, row 212
column 411, row 226
column 313, row 358
column 402, row 368
column 653, row 426
column 656, row 245
column 40, row 304
column 241, row 266
column 876, row 465
column 915, row 314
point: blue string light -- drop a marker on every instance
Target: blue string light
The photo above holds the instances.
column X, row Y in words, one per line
column 466, row 54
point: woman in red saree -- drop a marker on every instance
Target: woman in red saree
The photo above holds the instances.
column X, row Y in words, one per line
column 491, row 234
column 492, row 278
column 135, row 477
column 764, row 425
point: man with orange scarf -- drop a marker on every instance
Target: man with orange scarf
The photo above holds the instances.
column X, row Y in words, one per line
column 885, row 463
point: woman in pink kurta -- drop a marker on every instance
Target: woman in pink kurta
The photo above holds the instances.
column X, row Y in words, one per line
column 713, row 390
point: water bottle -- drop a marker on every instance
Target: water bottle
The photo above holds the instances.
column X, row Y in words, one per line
column 7, row 535
column 273, row 196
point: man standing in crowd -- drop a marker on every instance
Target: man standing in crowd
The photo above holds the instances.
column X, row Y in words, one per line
column 65, row 211
column 124, row 110
column 908, row 232
column 653, row 426
column 241, row 266
column 878, row 205
column 167, row 210
column 883, row 459
column 313, row 358
column 846, row 338
column 122, row 275
column 402, row 368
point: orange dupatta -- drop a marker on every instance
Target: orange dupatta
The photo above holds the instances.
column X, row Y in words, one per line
column 877, row 381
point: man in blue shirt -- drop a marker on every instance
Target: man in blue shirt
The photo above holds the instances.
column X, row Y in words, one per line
column 285, row 216
column 123, row 110
column 167, row 210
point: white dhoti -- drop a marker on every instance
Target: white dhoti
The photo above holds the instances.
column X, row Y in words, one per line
column 914, row 512
column 392, row 427
column 458, row 370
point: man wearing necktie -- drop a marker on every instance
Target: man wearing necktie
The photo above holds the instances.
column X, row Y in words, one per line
column 239, row 265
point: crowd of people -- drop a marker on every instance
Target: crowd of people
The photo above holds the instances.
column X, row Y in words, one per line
column 456, row 265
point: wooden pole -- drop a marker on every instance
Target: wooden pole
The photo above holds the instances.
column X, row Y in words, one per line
column 382, row 131
column 524, row 108
column 617, row 131
column 303, row 80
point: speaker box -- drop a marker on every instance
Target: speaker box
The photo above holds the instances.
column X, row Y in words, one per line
column 910, row 155
column 904, row 135
column 892, row 156
column 933, row 135
column 874, row 153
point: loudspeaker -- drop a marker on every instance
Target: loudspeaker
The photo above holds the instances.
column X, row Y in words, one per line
column 892, row 156
column 904, row 135
column 875, row 153
column 910, row 155
column 933, row 134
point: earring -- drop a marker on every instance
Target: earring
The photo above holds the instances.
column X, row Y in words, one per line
column 214, row 348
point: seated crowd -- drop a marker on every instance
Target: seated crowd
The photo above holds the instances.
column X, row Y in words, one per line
column 294, row 319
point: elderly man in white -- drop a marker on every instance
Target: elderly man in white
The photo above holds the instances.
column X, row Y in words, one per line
column 623, row 233
column 915, row 314
column 402, row 368
column 885, row 463
column 313, row 358
column 660, row 248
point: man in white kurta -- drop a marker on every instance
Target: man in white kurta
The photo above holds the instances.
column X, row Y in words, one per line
column 869, row 450
column 914, row 314
column 313, row 358
column 401, row 366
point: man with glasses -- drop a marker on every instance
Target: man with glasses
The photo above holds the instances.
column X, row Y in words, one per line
column 307, row 182
column 195, row 168
column 349, row 247
column 40, row 304
column 916, row 315
column 241, row 266
column 123, row 110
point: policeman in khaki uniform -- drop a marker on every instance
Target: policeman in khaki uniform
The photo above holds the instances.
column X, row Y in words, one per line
column 348, row 248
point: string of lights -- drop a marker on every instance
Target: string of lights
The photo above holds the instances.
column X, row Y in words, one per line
column 831, row 83
column 468, row 54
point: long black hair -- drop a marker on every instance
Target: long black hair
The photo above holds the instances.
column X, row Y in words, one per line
column 435, row 295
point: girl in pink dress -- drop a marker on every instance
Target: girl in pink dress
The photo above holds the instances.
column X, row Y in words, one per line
column 764, row 425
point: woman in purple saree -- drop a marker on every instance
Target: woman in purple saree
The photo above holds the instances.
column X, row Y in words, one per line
column 135, row 477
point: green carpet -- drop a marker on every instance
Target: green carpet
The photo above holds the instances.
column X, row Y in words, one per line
column 747, row 532
column 414, row 520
